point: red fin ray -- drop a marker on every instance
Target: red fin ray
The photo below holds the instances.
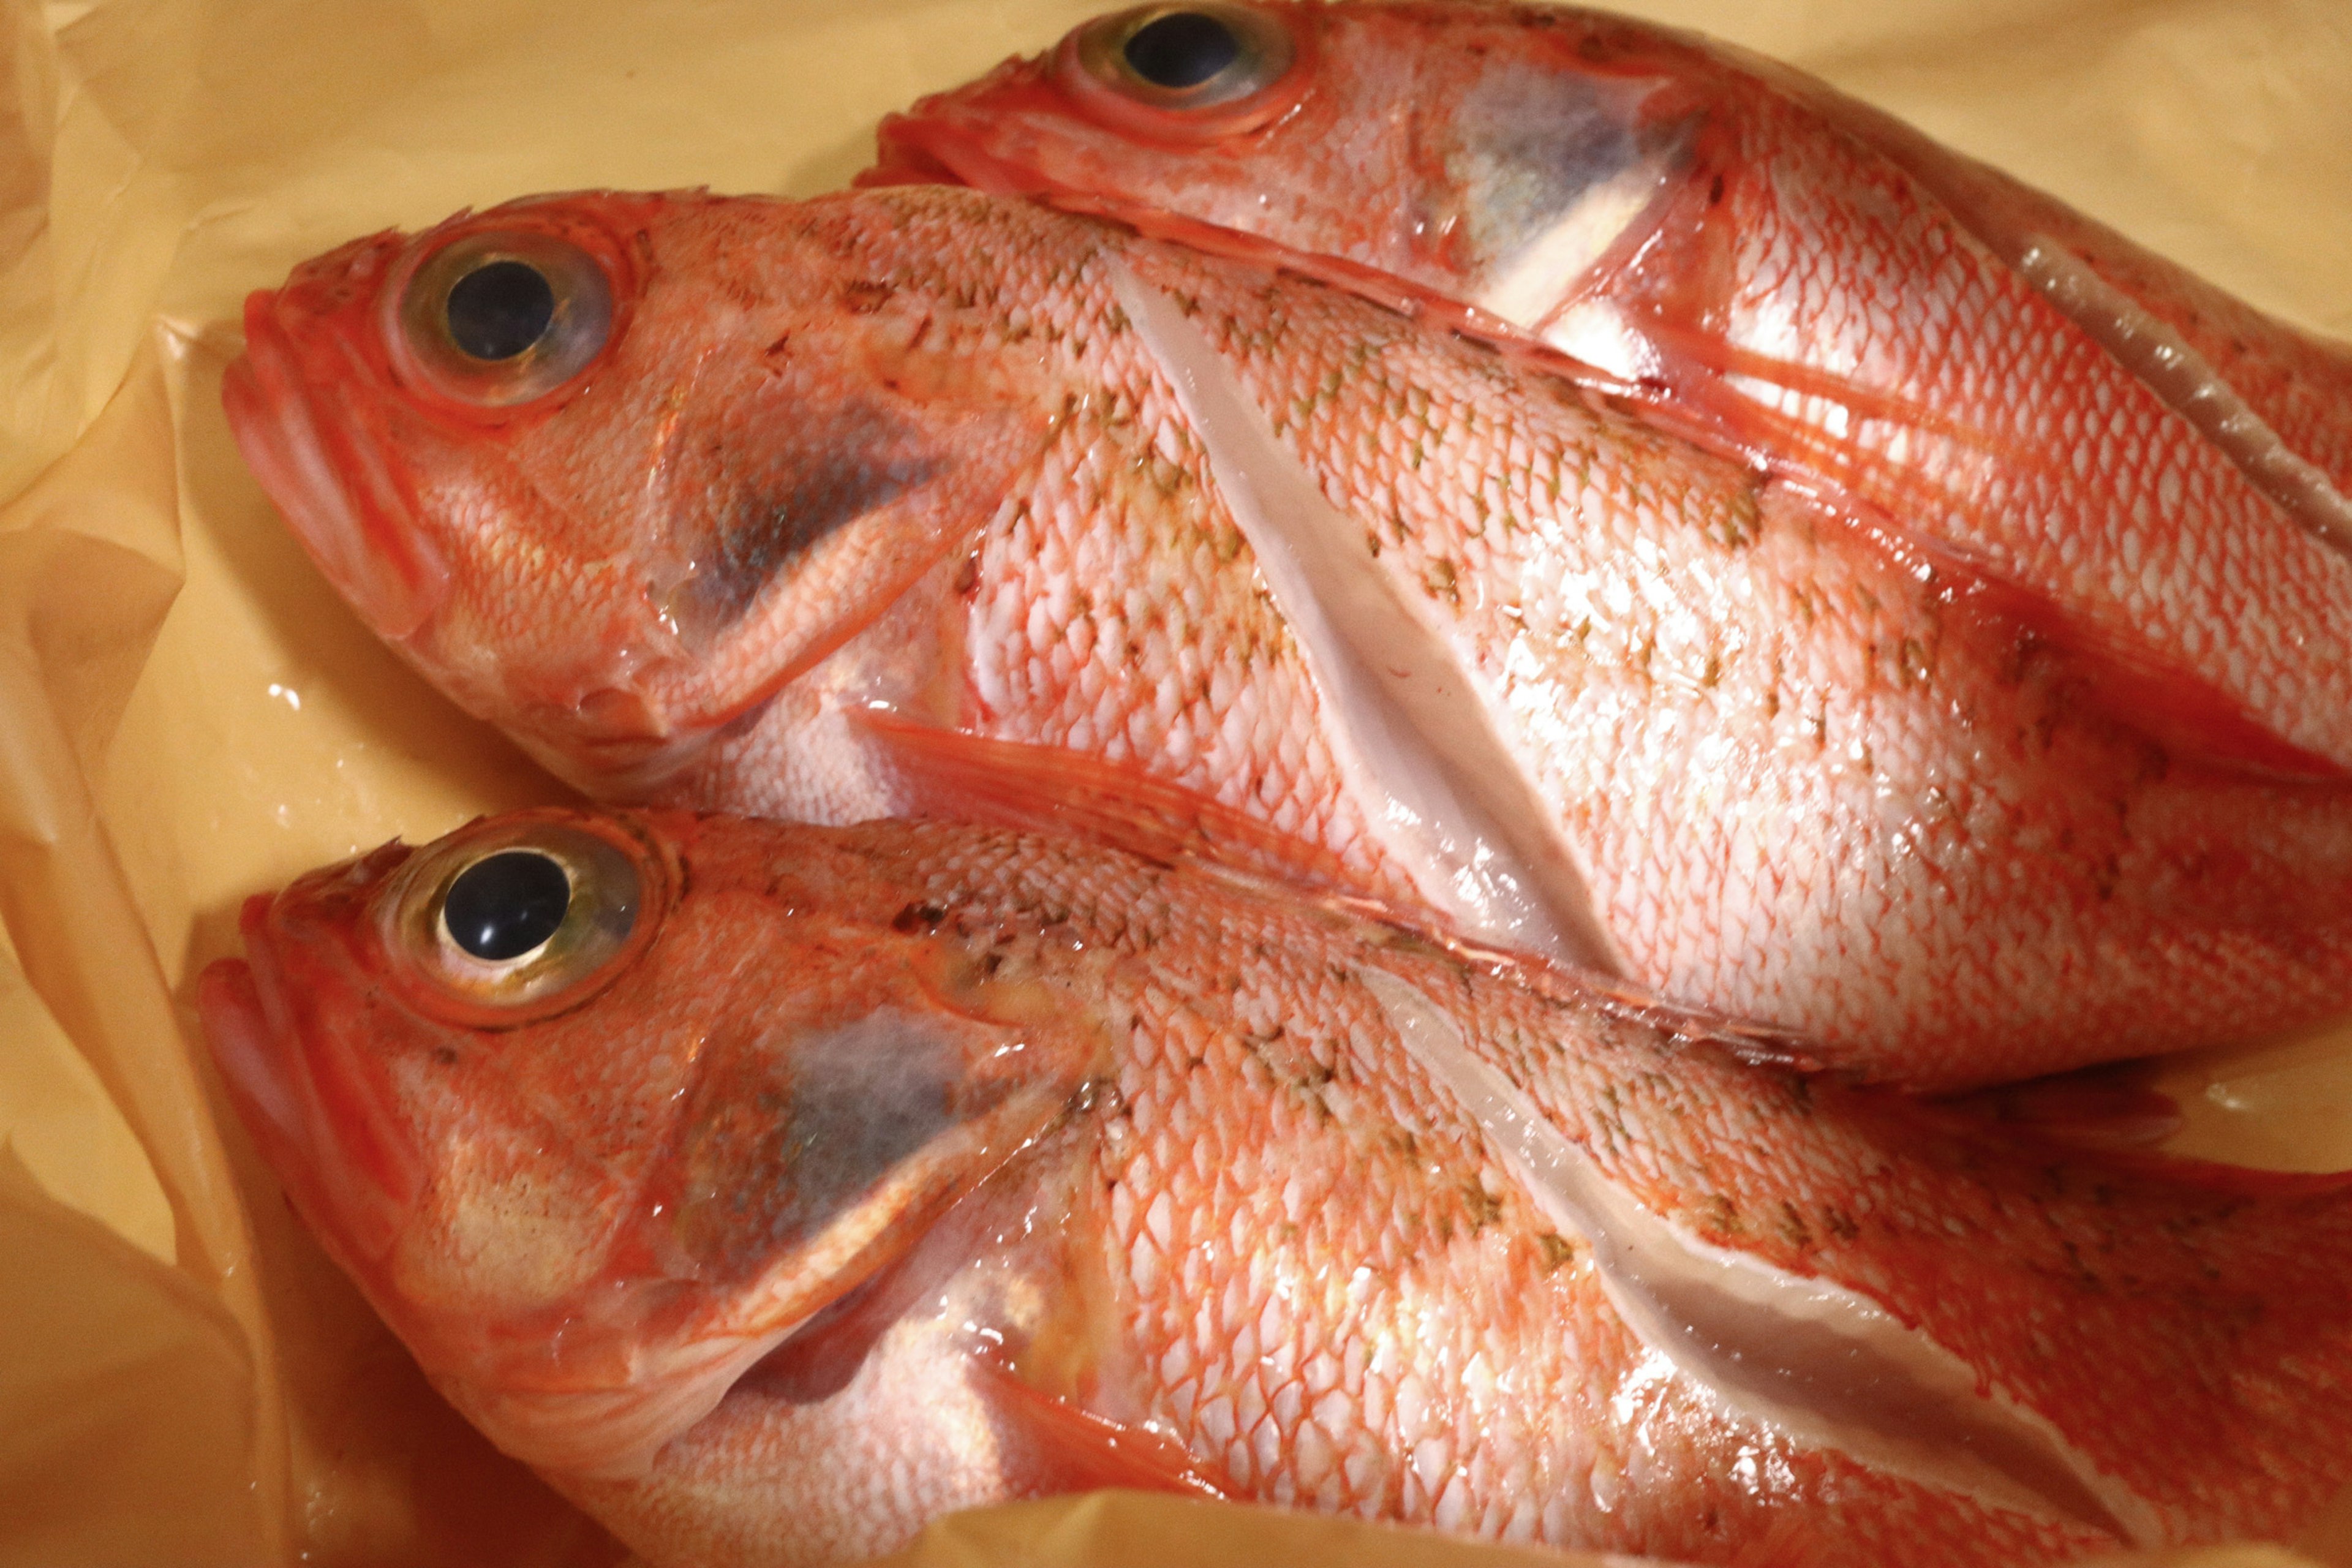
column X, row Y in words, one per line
column 953, row 774
column 1073, row 1449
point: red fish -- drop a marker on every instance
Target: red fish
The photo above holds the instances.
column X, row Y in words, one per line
column 775, row 1188
column 921, row 501
column 1772, row 265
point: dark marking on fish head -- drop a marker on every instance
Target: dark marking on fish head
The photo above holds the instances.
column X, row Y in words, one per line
column 790, row 1134
column 791, row 478
column 781, row 490
column 1533, row 152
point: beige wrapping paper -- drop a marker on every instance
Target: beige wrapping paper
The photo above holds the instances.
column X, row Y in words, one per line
column 187, row 715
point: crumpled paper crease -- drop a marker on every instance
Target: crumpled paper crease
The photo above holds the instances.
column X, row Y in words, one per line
column 188, row 715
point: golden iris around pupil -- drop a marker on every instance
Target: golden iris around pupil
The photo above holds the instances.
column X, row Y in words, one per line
column 1183, row 59
column 509, row 918
column 500, row 318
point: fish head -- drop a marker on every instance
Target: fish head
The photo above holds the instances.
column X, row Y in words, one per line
column 611, row 470
column 1420, row 153
column 599, row 1110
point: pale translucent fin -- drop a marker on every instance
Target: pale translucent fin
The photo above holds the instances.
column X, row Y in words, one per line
column 1823, row 1363
column 1446, row 796
column 2163, row 360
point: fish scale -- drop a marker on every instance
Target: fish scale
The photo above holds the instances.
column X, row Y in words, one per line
column 1877, row 323
column 1807, row 776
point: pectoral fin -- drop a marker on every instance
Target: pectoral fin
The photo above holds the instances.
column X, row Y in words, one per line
column 1813, row 1358
column 1065, row 1448
column 1445, row 795
column 955, row 776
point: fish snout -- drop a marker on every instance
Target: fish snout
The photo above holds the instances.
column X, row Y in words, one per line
column 937, row 141
column 301, row 401
column 320, row 1114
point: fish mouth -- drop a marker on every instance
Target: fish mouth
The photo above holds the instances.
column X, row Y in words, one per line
column 932, row 151
column 905, row 156
column 322, row 1120
column 361, row 535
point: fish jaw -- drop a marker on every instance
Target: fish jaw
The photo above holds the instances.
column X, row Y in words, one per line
column 313, row 1105
column 353, row 518
column 601, row 1415
column 379, row 475
column 316, row 1051
column 318, row 448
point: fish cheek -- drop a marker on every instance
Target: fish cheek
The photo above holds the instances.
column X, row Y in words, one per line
column 506, row 1225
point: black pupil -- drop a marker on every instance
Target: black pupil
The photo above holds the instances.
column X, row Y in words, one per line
column 504, row 905
column 500, row 309
column 1183, row 48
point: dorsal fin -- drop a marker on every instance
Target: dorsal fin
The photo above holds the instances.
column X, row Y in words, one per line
column 2186, row 382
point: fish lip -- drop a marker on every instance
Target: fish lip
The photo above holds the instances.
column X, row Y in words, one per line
column 243, row 1051
column 383, row 564
column 262, row 1079
column 921, row 148
column 904, row 157
column 321, row 1119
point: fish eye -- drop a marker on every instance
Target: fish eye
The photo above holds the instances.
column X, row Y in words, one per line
column 500, row 309
column 1209, row 62
column 507, row 905
column 1182, row 49
column 510, row 919
column 499, row 319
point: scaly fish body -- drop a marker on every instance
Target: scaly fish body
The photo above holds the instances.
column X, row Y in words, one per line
column 774, row 1188
column 883, row 503
column 1773, row 264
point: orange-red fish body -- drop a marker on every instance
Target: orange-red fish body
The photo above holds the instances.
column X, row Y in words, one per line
column 1770, row 264
column 784, row 1187
column 884, row 503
